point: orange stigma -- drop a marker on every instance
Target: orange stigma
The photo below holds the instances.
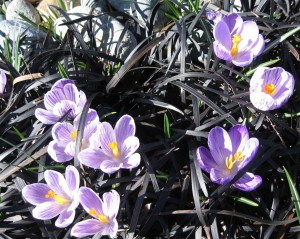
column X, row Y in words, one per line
column 58, row 199
column 235, row 40
column 114, row 147
column 270, row 89
column 73, row 134
column 102, row 218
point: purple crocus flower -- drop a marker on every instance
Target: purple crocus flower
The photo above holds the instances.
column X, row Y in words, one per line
column 214, row 16
column 103, row 212
column 62, row 148
column 117, row 147
column 270, row 88
column 58, row 197
column 228, row 153
column 3, row 81
column 237, row 41
column 62, row 97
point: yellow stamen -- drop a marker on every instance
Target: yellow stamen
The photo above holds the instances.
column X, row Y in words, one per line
column 231, row 160
column 73, row 134
column 270, row 89
column 114, row 148
column 58, row 199
column 102, row 218
column 235, row 40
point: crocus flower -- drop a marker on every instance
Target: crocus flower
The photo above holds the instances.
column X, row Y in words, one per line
column 237, row 41
column 270, row 88
column 214, row 16
column 228, row 153
column 3, row 81
column 58, row 197
column 64, row 134
column 117, row 147
column 62, row 97
column 103, row 212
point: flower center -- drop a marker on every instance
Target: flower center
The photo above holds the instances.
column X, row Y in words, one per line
column 114, row 147
column 58, row 199
column 235, row 40
column 102, row 218
column 231, row 160
column 270, row 89
column 73, row 134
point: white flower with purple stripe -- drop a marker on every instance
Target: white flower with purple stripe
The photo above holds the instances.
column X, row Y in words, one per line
column 103, row 212
column 62, row 97
column 59, row 197
column 117, row 150
column 62, row 148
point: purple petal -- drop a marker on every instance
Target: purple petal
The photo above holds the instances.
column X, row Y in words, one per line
column 92, row 157
column 65, row 218
column 110, row 166
column 220, row 177
column 259, row 46
column 72, row 179
column 249, row 33
column 3, row 81
column 91, row 117
column 35, row 193
column 111, row 203
column 222, row 35
column 61, row 83
column 107, row 136
column 57, row 152
column 220, row 146
column 81, row 102
column 248, row 182
column 62, row 107
column 61, row 133
column 233, row 21
column 70, row 148
column 46, row 117
column 71, row 93
column 132, row 162
column 249, row 151
column 125, row 127
column 239, row 136
column 205, row 159
column 57, row 183
column 52, row 97
column 48, row 210
column 221, row 52
column 91, row 137
column 243, row 58
column 90, row 200
column 87, row 228
column 129, row 146
column 262, row 101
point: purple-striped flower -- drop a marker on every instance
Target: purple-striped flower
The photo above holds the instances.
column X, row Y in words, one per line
column 237, row 41
column 118, row 147
column 103, row 212
column 228, row 153
column 58, row 197
column 62, row 97
column 3, row 81
column 64, row 134
column 270, row 88
column 214, row 16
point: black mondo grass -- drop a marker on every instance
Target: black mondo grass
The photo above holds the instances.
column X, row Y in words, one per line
column 177, row 90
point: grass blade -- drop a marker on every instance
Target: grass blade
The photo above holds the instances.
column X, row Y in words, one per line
column 294, row 192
